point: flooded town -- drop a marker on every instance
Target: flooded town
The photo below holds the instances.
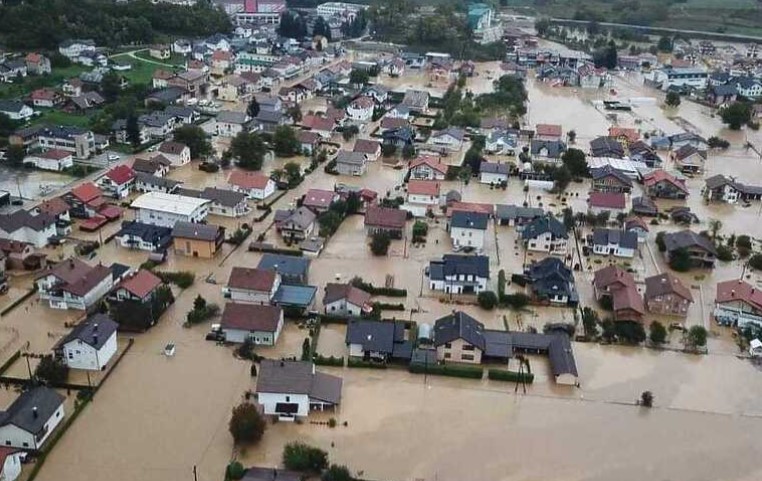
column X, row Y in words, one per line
column 292, row 249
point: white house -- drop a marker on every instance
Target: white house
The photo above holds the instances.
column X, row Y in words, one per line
column 31, row 418
column 90, row 345
column 33, row 227
column 146, row 237
column 346, row 300
column 257, row 286
column 361, row 109
column 546, row 234
column 10, row 463
column 422, row 196
column 468, row 229
column 72, row 284
column 159, row 208
column 615, row 242
column 230, row 124
column 53, row 159
column 118, row 181
column 459, row 274
column 500, row 142
column 16, row 110
column 493, row 173
column 291, row 389
column 427, row 167
column 256, row 186
column 73, row 48
column 177, row 153
column 451, row 138
column 261, row 324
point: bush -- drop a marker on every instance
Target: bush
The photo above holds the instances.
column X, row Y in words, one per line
column 680, row 260
column 420, row 230
column 51, row 370
column 657, row 333
column 385, row 306
column 516, row 301
column 647, row 399
column 660, row 242
column 377, row 291
column 630, row 332
column 182, row 279
column 487, row 300
column 717, row 143
column 452, row 370
column 380, row 242
column 328, row 361
column 501, row 282
column 365, row 364
column 696, row 336
column 336, row 473
column 724, row 253
column 755, row 262
column 298, row 456
column 235, row 470
column 510, row 376
column 246, row 424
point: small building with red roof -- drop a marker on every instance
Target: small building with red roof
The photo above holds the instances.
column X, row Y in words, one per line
column 322, row 125
column 45, row 97
column 255, row 185
column 611, row 202
column 85, row 200
column 56, row 160
column 738, row 303
column 427, row 167
column 548, row 132
column 385, row 219
column 663, row 185
column 118, row 182
column 422, row 196
column 140, row 286
column 319, row 200
column 261, row 324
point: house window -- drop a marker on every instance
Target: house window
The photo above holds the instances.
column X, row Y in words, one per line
column 447, row 355
column 26, row 445
column 288, row 399
column 7, row 443
column 468, row 347
column 71, row 355
column 467, row 357
column 448, row 345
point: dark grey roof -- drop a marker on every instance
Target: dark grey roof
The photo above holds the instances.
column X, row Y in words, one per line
column 22, row 412
column 297, row 377
column 191, row 230
column 459, row 325
column 687, row 239
column 11, row 106
column 503, row 211
column 270, row 474
column 150, row 179
column 541, row 225
column 551, row 276
column 301, row 217
column 285, row 265
column 452, row 264
column 555, row 147
column 469, row 220
column 724, row 90
column 625, row 239
column 21, row 218
column 717, row 181
column 225, row 197
column 93, row 331
column 606, row 147
column 347, row 157
column 644, row 205
column 269, row 117
column 377, row 336
column 230, row 117
column 607, row 170
column 497, row 344
column 494, row 168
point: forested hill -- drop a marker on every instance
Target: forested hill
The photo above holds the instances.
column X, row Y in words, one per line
column 43, row 24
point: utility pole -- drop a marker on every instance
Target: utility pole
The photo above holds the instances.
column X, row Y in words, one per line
column 195, row 473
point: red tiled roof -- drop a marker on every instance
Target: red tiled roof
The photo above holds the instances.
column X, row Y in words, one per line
column 548, row 130
column 367, row 146
column 221, row 55
column 313, row 122
column 33, row 57
column 736, row 290
column 318, row 198
column 666, row 283
column 43, row 94
column 636, row 221
column 54, row 206
column 307, row 137
column 433, row 162
column 110, row 212
column 610, row 200
column 656, row 176
column 611, row 275
column 248, row 180
column 141, row 283
column 629, row 133
column 86, row 192
column 423, row 187
column 385, row 217
column 628, row 298
column 352, row 294
column 394, row 122
column 252, row 279
column 54, row 154
column 476, row 207
column 250, row 317
column 363, row 103
column 121, row 174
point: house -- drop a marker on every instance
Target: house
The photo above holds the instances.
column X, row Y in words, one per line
column 721, row 95
column 160, row 78
column 606, row 147
column 146, row 237
column 459, row 337
column 416, row 101
column 642, row 152
column 689, row 159
column 16, row 110
column 18, row 255
column 346, row 300
column 260, row 324
column 141, row 286
column 351, row 163
column 151, row 183
column 451, row 138
column 748, row 87
column 378, row 340
column 611, row 202
column 610, row 279
column 361, row 109
column 494, row 173
column 256, row 286
column 627, row 304
column 11, row 70
column 177, row 153
column 619, row 243
column 31, row 418
column 644, row 206
column 547, row 150
column 488, row 125
column 319, row 200
column 293, row 270
column 73, row 284
column 399, row 137
column 501, row 142
column 80, row 142
column 638, row 225
column 85, row 200
column 738, row 303
column 45, row 97
column 37, row 64
column 157, row 165
column 291, row 389
column 666, row 294
column 371, row 149
column 53, row 159
column 230, row 124
column 395, row 68
column 468, row 230
column 58, row 209
column 295, row 224
column 384, row 219
column 427, row 167
column 422, row 196
column 165, row 210
column 458, row 274
column 118, row 181
column 72, row 87
column 224, row 202
column 254, row 185
column 31, row 227
column 700, row 249
column 624, row 135
column 609, row 179
column 90, row 345
column 548, row 132
column 516, row 216
column 546, row 234
column 193, row 81
column 391, row 123
column 552, row 281
column 663, row 185
column 87, row 101
column 320, row 125
column 378, row 93
column 197, row 240
column 308, row 141
column 726, row 189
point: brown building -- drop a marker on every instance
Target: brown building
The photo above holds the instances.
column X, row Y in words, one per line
column 383, row 219
column 666, row 294
column 197, row 240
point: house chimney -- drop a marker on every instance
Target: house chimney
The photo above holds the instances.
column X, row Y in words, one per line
column 34, row 412
column 95, row 338
column 282, row 364
column 95, row 326
column 71, row 263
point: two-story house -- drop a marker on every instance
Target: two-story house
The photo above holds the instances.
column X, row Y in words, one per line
column 295, row 224
column 257, row 286
column 546, row 234
column 73, row 284
column 663, row 185
column 427, row 167
column 459, row 274
column 90, row 345
column 552, row 282
column 609, row 179
column 118, row 181
column 422, row 196
column 699, row 249
column 147, row 237
column 468, row 230
column 666, row 294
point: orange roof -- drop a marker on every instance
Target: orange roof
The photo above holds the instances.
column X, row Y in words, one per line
column 433, row 162
column 141, row 283
column 86, row 192
column 423, row 187
column 248, row 180
column 629, row 133
column 549, row 130
column 476, row 207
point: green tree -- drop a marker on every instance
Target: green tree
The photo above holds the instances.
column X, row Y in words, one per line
column 111, row 86
column 235, row 471
column 306, row 349
column 195, row 138
column 736, row 115
column 199, row 303
column 379, row 243
column 696, row 336
column 408, row 152
column 246, row 424
column 295, row 113
column 561, row 178
column 542, row 26
column 285, row 142
column 571, row 136
column 673, row 99
column 298, row 456
column 252, row 110
column 336, row 473
column 388, row 150
column 657, row 333
column 349, row 132
column 51, row 370
column 680, row 260
column 664, row 44
column 607, row 56
column 359, row 77
column 590, row 322
column 249, row 150
column 15, row 155
column 293, row 173
column 132, row 129
column 755, row 262
column 660, row 242
column 487, row 300
column 329, row 223
column 574, row 160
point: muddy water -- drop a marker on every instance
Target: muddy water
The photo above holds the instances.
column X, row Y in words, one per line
column 31, row 184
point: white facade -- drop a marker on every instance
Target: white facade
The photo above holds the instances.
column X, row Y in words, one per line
column 252, row 296
column 46, row 163
column 260, row 338
column 613, row 249
column 38, row 238
column 329, row 9
column 183, row 158
column 467, row 237
column 447, row 140
column 426, row 172
column 158, row 208
column 13, row 436
column 23, row 113
column 270, row 400
column 255, row 193
column 238, row 210
column 492, row 178
column 80, row 355
column 341, row 307
column 457, row 284
column 547, row 242
column 68, row 300
column 228, row 129
column 359, row 113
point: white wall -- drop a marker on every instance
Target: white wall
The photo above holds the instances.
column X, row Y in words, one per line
column 168, row 219
column 79, row 355
column 269, row 400
column 343, row 308
column 492, row 178
column 462, row 237
column 11, row 435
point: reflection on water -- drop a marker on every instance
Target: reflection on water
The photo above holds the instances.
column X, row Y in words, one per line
column 31, row 184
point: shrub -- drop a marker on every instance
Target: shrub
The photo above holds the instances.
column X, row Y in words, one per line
column 516, row 301
column 452, row 370
column 377, row 291
column 246, row 424
column 487, row 300
column 182, row 279
column 501, row 282
column 657, row 333
column 696, row 336
column 510, row 376
column 660, row 242
column 365, row 364
column 647, row 399
column 235, row 470
column 755, row 262
column 380, row 242
column 680, row 260
column 420, row 230
column 630, row 332
column 328, row 361
column 724, row 253
column 298, row 456
column 336, row 473
column 52, row 370
column 385, row 306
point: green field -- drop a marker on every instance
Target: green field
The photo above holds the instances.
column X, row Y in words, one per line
column 29, row 83
column 175, row 60
column 59, row 117
column 141, row 71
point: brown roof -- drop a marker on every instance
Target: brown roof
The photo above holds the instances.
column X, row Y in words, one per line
column 54, row 206
column 628, row 298
column 248, row 180
column 666, row 283
column 77, row 277
column 10, row 246
column 612, row 276
column 629, row 133
column 611, row 200
column 548, row 130
column 736, row 290
column 433, row 162
column 367, row 146
column 385, row 217
column 251, row 279
column 141, row 283
column 86, row 192
column 314, row 122
column 250, row 317
column 318, row 198
column 423, row 187
column 174, row 148
column 657, row 176
column 394, row 122
column 307, row 137
column 161, row 74
column 353, row 295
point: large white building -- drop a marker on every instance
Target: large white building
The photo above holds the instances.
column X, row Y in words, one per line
column 162, row 209
column 456, row 274
column 90, row 345
column 468, row 229
column 32, row 418
column 329, row 9
column 680, row 77
column 291, row 389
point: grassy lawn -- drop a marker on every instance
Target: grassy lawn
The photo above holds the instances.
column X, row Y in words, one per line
column 141, row 72
column 176, row 60
column 30, row 82
column 59, row 117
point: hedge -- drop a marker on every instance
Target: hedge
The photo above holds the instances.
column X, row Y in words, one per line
column 383, row 306
column 328, row 360
column 366, row 364
column 510, row 376
column 259, row 247
column 379, row 291
column 182, row 279
column 452, row 370
column 7, row 364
